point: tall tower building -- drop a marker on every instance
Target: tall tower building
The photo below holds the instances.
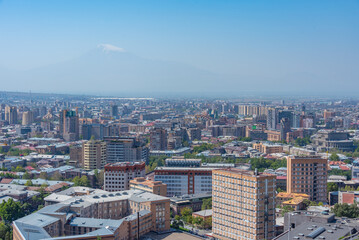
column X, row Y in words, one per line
column 114, row 111
column 27, row 118
column 284, row 128
column 69, row 125
column 11, row 114
column 308, row 175
column 94, row 154
column 158, row 139
column 272, row 117
column 243, row 204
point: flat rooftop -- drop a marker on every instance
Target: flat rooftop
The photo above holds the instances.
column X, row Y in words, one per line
column 170, row 236
column 245, row 172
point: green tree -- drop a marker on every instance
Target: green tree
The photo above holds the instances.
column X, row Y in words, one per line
column 203, row 147
column 19, row 169
column 207, row 223
column 26, row 176
column 99, row 176
column 57, row 176
column 334, row 157
column 28, row 183
column 244, row 139
column 197, row 221
column 346, row 210
column 76, row 181
column 188, row 219
column 302, row 141
column 177, row 223
column 8, row 236
column 286, row 209
column 10, row 210
column 207, row 203
column 84, row 181
column 186, row 212
column 4, row 228
column 43, row 175
column 340, row 172
column 332, row 187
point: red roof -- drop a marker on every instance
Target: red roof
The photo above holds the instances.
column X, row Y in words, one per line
column 29, row 168
column 56, row 187
column 348, row 198
column 345, row 168
column 282, row 177
column 336, row 163
column 32, row 188
column 6, row 180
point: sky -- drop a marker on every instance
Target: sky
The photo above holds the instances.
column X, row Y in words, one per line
column 313, row 43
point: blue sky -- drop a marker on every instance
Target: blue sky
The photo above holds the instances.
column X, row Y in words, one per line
column 266, row 39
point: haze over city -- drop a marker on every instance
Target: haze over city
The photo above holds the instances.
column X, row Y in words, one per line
column 183, row 47
column 179, row 120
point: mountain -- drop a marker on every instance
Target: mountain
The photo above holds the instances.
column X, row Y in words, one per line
column 112, row 71
column 103, row 71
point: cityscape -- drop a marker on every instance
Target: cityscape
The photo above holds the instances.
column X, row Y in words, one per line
column 82, row 167
column 179, row 120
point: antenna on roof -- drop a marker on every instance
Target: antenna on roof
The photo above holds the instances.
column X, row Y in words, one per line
column 256, row 171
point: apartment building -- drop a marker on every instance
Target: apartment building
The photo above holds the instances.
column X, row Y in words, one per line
column 158, row 139
column 182, row 181
column 308, row 175
column 155, row 187
column 94, row 154
column 117, row 176
column 125, row 149
column 243, row 205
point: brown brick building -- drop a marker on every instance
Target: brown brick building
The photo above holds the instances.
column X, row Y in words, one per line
column 243, row 205
column 308, row 175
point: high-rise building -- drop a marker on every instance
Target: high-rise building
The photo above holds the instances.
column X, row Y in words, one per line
column 114, row 111
column 69, row 125
column 296, row 120
column 284, row 128
column 272, row 117
column 27, row 118
column 94, row 154
column 285, row 114
column 250, row 110
column 194, row 134
column 76, row 155
column 11, row 114
column 308, row 175
column 158, row 139
column 118, row 175
column 125, row 149
column 328, row 115
column 243, row 205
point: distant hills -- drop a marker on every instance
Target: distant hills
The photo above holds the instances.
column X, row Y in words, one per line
column 112, row 71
